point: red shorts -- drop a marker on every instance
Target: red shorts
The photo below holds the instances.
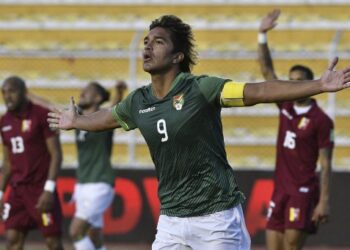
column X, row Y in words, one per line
column 23, row 215
column 292, row 211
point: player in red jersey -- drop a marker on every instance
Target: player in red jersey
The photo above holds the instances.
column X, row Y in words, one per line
column 305, row 136
column 32, row 156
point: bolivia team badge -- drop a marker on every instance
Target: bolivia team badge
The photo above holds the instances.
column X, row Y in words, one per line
column 26, row 125
column 178, row 101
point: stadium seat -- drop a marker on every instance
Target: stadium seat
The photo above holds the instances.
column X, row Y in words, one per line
column 60, row 48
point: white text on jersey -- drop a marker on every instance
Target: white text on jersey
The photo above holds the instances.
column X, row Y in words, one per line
column 150, row 109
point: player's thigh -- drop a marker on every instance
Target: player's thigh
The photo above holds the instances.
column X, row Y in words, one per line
column 15, row 239
column 224, row 230
column 298, row 213
column 92, row 200
column 276, row 211
column 17, row 215
column 274, row 240
column 170, row 234
column 294, row 239
column 167, row 241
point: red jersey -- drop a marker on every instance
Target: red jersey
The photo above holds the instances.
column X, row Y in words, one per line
column 300, row 137
column 25, row 137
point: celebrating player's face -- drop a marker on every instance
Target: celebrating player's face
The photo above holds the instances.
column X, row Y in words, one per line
column 298, row 75
column 88, row 97
column 13, row 96
column 158, row 53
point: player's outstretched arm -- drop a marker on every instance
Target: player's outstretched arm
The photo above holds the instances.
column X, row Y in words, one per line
column 278, row 90
column 265, row 60
column 70, row 119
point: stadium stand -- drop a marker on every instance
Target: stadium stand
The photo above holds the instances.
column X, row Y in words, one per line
column 58, row 48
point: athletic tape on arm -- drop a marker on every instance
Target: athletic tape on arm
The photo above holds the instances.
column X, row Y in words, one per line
column 232, row 94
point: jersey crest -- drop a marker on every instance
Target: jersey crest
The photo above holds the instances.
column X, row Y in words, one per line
column 294, row 214
column 178, row 101
column 304, row 122
column 26, row 125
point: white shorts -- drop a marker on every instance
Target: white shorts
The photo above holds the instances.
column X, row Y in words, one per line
column 91, row 200
column 224, row 230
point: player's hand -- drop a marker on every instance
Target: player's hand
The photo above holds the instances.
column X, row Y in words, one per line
column 63, row 119
column 120, row 89
column 332, row 80
column 120, row 86
column 269, row 21
column 45, row 202
column 321, row 213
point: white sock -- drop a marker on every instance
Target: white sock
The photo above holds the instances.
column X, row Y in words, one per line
column 101, row 248
column 84, row 244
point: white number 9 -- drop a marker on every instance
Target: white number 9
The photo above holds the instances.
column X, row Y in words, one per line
column 161, row 128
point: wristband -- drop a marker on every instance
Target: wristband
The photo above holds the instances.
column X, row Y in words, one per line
column 262, row 38
column 1, row 194
column 50, row 186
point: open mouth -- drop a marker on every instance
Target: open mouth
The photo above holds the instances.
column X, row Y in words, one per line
column 146, row 57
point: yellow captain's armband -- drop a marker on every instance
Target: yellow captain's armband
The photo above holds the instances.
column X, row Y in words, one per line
column 232, row 94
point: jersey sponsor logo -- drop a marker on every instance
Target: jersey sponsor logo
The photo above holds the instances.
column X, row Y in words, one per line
column 304, row 189
column 6, row 128
column 286, row 114
column 304, row 122
column 178, row 101
column 26, row 125
column 147, row 110
column 294, row 214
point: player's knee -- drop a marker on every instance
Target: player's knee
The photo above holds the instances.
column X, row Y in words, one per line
column 54, row 243
column 292, row 243
column 14, row 241
column 76, row 233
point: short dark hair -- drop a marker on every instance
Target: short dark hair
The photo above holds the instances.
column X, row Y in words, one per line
column 182, row 38
column 101, row 91
column 18, row 81
column 307, row 71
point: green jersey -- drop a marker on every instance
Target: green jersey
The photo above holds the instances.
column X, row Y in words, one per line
column 94, row 154
column 184, row 134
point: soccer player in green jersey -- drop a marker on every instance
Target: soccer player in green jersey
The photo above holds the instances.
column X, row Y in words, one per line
column 94, row 191
column 179, row 116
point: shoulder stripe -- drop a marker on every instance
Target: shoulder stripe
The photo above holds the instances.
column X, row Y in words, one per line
column 119, row 119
